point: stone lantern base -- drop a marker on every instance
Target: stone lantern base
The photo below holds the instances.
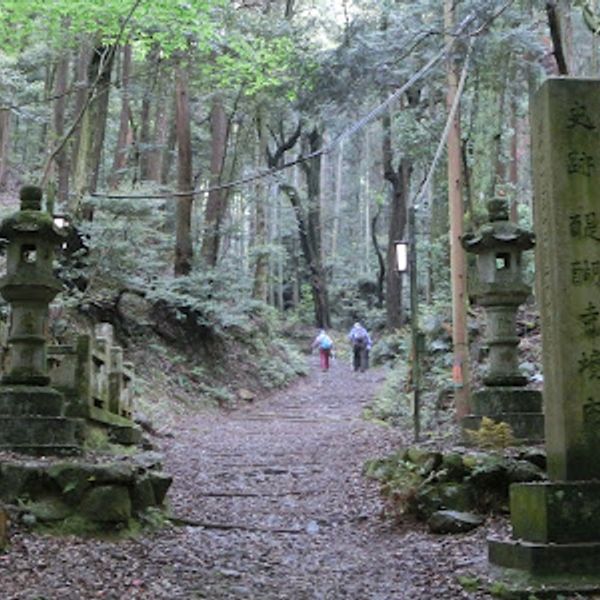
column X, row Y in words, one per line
column 519, row 407
column 32, row 421
column 555, row 529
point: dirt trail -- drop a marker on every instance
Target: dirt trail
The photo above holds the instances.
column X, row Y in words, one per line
column 272, row 506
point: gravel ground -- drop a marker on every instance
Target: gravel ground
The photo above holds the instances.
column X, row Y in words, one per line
column 270, row 504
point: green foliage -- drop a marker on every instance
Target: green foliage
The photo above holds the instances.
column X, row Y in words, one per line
column 172, row 25
column 470, row 583
column 492, row 435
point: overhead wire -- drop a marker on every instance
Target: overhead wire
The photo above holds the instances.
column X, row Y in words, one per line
column 346, row 133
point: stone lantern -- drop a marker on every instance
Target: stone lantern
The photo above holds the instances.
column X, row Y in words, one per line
column 31, row 411
column 29, row 286
column 499, row 246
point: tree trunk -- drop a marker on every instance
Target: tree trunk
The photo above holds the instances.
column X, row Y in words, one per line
column 160, row 135
column 99, row 112
column 183, row 217
column 380, row 259
column 309, row 222
column 93, row 126
column 46, row 93
column 216, row 205
column 458, row 263
column 261, row 266
column 60, row 90
column 122, row 149
column 5, row 138
column 367, row 204
column 312, row 170
column 169, row 151
column 338, row 201
column 144, row 137
column 399, row 179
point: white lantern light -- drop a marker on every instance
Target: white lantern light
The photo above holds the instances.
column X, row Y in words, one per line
column 401, row 256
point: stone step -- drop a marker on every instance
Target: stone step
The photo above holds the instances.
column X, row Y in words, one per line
column 16, row 400
column 41, row 433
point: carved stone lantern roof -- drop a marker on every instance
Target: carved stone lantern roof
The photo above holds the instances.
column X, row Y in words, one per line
column 499, row 233
column 31, row 220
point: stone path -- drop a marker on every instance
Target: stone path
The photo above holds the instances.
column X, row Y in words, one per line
column 285, row 509
column 271, row 505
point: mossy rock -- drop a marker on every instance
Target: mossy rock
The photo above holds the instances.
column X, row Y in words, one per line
column 160, row 485
column 426, row 460
column 457, row 496
column 426, row 501
column 454, row 465
column 107, row 504
column 142, row 494
column 73, row 479
column 452, row 521
column 20, row 479
column 522, row 471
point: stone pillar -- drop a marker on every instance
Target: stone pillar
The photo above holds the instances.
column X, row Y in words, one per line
column 556, row 524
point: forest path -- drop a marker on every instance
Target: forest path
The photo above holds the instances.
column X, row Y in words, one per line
column 282, row 510
column 272, row 506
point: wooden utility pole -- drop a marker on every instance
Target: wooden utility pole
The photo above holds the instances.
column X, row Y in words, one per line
column 458, row 262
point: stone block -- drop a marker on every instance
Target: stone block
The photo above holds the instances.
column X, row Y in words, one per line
column 30, row 400
column 39, row 434
column 551, row 512
column 498, row 400
column 545, row 559
column 107, row 504
column 127, row 436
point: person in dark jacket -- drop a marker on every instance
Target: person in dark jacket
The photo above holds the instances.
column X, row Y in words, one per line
column 361, row 345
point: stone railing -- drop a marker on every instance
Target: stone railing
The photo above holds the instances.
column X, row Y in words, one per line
column 96, row 382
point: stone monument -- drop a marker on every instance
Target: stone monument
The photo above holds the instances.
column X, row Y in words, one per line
column 556, row 524
column 31, row 412
column 499, row 245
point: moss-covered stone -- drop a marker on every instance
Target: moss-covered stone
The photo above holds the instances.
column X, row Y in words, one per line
column 551, row 512
column 107, row 504
column 20, row 479
column 142, row 494
column 455, row 467
column 160, row 485
column 452, row 521
column 73, row 479
column 457, row 496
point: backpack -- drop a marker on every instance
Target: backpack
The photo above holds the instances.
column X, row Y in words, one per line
column 326, row 343
column 360, row 340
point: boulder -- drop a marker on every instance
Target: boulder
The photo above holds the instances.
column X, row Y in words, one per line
column 73, row 479
column 452, row 521
column 107, row 504
column 521, row 471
